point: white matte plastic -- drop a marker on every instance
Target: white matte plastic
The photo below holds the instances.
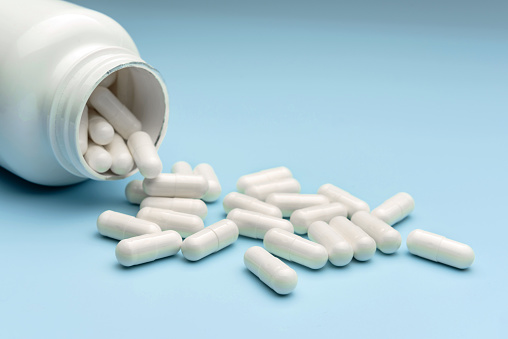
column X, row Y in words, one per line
column 239, row 200
column 183, row 223
column 214, row 188
column 190, row 206
column 289, row 202
column 255, row 225
column 363, row 245
column 175, row 185
column 340, row 252
column 395, row 208
column 210, row 240
column 262, row 177
column 352, row 203
column 145, row 154
column 303, row 218
column 134, row 192
column 387, row 238
column 83, row 131
column 181, row 167
column 122, row 161
column 109, row 80
column 261, row 192
column 100, row 131
column 122, row 226
column 97, row 157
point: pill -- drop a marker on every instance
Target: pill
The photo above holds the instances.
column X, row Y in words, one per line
column 387, row 238
column 148, row 247
column 181, row 167
column 292, row 247
column 271, row 270
column 190, row 206
column 100, row 131
column 122, row 161
column 183, row 223
column 210, row 240
column 289, row 202
column 303, row 218
column 395, row 208
column 261, row 192
column 134, row 192
column 363, row 245
column 352, row 203
column 145, row 154
column 214, row 188
column 239, row 200
column 262, row 177
column 255, row 225
column 97, row 157
column 339, row 250
column 107, row 104
column 109, row 80
column 437, row 248
column 175, row 185
column 83, row 131
column 122, row 226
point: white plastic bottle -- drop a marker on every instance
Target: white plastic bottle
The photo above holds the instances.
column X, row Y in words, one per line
column 53, row 54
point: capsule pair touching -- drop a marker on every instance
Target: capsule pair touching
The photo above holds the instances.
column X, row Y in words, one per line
column 274, row 180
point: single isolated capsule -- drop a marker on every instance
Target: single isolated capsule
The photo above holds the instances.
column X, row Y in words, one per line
column 148, row 247
column 261, row 192
column 363, row 245
column 255, row 225
column 83, row 130
column 109, row 80
column 271, row 270
column 176, row 186
column 189, row 206
column 289, row 202
column 134, row 192
column 122, row 226
column 214, row 188
column 100, row 131
column 183, row 223
column 395, row 208
column 352, row 203
column 294, row 248
column 263, row 177
column 339, row 250
column 440, row 249
column 303, row 218
column 210, row 240
column 97, row 157
column 387, row 238
column 145, row 154
column 122, row 161
column 181, row 167
column 238, row 200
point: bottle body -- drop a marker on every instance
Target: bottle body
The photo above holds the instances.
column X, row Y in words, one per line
column 53, row 55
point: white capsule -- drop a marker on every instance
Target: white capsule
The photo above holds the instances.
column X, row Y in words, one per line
column 272, row 271
column 336, row 194
column 100, row 131
column 181, row 167
column 189, row 206
column 255, row 225
column 120, row 155
column 289, row 202
column 134, row 192
column 148, row 247
column 145, row 154
column 294, row 248
column 440, row 249
column 214, row 188
column 122, row 226
column 387, row 238
column 263, row 177
column 183, row 223
column 363, row 245
column 395, row 208
column 303, row 218
column 83, row 131
column 97, row 157
column 108, row 105
column 210, row 240
column 176, row 185
column 109, row 80
column 261, row 192
column 239, row 200
column 339, row 250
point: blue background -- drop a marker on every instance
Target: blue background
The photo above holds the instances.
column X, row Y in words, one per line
column 375, row 97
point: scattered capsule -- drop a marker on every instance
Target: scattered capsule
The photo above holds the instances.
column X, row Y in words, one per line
column 97, row 157
column 238, row 200
column 289, row 202
column 109, row 80
column 83, row 131
column 122, row 226
column 255, row 225
column 100, row 131
column 437, row 248
column 263, row 177
column 134, row 192
column 261, row 192
column 176, row 185
column 363, row 245
column 387, row 238
column 271, row 270
column 214, row 188
column 294, row 248
column 189, row 206
column 339, row 250
column 336, row 194
column 145, row 154
column 395, row 208
column 181, row 167
column 210, row 240
column 122, row 161
column 183, row 223
column 303, row 218
column 148, row 247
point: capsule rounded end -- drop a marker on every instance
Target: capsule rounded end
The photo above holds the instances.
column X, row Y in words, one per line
column 365, row 249
column 213, row 193
column 192, row 249
column 341, row 254
column 285, row 281
column 124, row 253
column 391, row 242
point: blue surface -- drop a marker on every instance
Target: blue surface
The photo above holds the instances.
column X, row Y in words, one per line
column 375, row 97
